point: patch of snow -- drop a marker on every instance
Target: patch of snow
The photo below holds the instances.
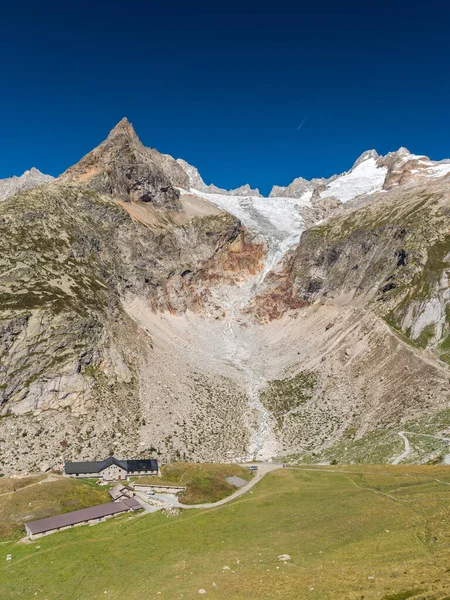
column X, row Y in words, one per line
column 365, row 178
column 277, row 220
column 406, row 155
column 439, row 170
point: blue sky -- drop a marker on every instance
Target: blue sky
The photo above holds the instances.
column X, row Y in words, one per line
column 225, row 86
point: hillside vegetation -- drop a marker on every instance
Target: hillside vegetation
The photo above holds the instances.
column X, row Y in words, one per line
column 30, row 498
column 204, row 482
column 351, row 532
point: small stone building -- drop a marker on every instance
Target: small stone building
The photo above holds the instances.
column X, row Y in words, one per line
column 111, row 469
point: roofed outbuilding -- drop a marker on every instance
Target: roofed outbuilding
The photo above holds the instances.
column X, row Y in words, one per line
column 119, row 491
column 94, row 514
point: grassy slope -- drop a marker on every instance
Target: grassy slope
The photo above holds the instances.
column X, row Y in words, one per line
column 40, row 501
column 362, row 532
column 382, row 446
column 204, row 482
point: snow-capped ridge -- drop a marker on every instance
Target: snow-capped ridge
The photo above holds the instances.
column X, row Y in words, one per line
column 365, row 156
column 280, row 218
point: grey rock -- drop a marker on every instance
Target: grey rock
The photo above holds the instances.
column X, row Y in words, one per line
column 244, row 190
column 27, row 181
column 296, row 189
column 195, row 180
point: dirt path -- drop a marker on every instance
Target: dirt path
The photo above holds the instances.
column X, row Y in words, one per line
column 407, row 450
column 263, row 469
column 437, row 437
column 48, row 479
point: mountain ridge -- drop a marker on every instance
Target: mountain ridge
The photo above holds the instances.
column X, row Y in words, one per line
column 141, row 316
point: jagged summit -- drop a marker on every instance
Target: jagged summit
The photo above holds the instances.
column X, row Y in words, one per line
column 402, row 151
column 123, row 128
column 297, row 189
column 366, row 156
column 123, row 167
column 195, row 180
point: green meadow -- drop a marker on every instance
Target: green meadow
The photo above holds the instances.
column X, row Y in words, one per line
column 359, row 532
column 204, row 482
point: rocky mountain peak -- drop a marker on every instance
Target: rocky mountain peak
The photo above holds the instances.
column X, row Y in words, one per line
column 34, row 171
column 245, row 190
column 366, row 156
column 196, row 183
column 123, row 128
column 402, row 151
column 123, row 167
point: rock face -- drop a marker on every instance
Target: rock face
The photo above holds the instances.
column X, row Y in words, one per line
column 27, row 181
column 297, row 189
column 392, row 255
column 140, row 317
column 195, row 180
column 244, row 190
column 363, row 293
column 122, row 167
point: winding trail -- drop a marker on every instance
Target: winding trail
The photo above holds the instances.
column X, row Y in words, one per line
column 263, row 469
column 437, row 437
column 407, row 450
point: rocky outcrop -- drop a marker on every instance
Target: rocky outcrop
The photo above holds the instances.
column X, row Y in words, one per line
column 213, row 189
column 244, row 190
column 297, row 189
column 320, row 209
column 27, row 181
column 125, row 169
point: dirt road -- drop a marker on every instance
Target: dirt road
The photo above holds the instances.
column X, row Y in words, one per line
column 263, row 469
column 407, row 450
